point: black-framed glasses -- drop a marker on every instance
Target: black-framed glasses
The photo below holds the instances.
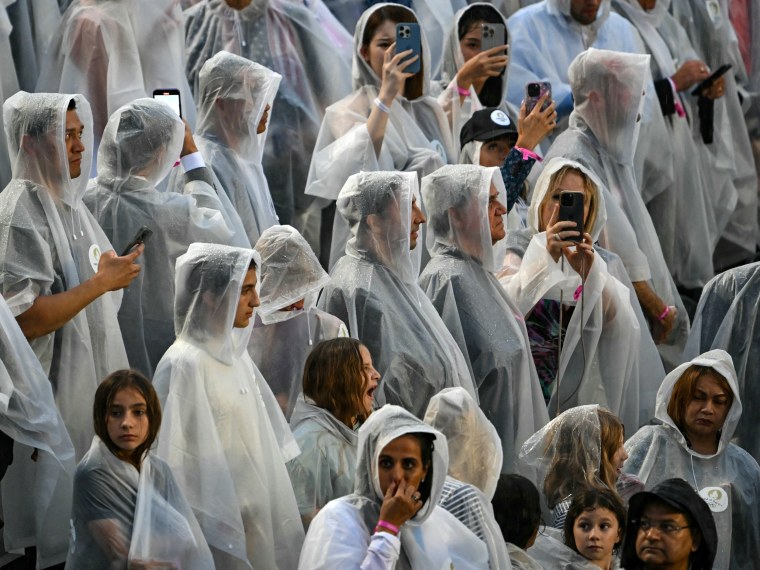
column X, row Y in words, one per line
column 645, row 525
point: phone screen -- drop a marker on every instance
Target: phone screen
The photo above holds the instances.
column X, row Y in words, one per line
column 169, row 97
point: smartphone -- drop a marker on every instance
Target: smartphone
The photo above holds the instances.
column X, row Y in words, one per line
column 170, row 97
column 142, row 235
column 571, row 210
column 492, row 35
column 534, row 91
column 408, row 38
column 707, row 83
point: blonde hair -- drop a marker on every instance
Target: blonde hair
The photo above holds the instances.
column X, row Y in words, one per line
column 591, row 193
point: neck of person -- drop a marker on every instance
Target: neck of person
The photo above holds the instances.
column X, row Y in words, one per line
column 703, row 445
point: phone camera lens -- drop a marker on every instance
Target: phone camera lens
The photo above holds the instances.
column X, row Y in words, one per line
column 534, row 90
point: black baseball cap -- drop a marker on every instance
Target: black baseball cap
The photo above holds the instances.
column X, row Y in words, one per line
column 487, row 124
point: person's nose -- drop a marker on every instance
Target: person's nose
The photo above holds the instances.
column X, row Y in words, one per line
column 78, row 146
column 501, row 209
column 127, row 421
column 255, row 301
column 398, row 473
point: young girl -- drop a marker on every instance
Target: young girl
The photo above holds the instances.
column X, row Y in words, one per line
column 128, row 509
column 595, row 525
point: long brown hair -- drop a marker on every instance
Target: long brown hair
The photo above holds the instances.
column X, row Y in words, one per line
column 104, row 396
column 686, row 386
column 397, row 14
column 612, row 432
column 334, row 378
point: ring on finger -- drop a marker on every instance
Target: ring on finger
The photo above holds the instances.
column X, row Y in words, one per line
column 416, row 496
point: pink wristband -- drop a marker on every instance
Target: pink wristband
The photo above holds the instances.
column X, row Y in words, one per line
column 463, row 92
column 664, row 313
column 526, row 154
column 680, row 111
column 578, row 293
column 387, row 526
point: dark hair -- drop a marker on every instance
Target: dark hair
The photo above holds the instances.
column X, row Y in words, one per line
column 588, row 500
column 490, row 93
column 333, row 377
column 72, row 105
column 398, row 14
column 516, row 508
column 104, row 395
column 427, row 445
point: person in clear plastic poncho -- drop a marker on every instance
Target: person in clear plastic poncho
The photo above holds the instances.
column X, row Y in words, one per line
column 34, row 24
column 140, row 144
column 223, row 434
column 128, row 509
column 58, row 271
column 400, row 473
column 698, row 409
column 117, row 51
column 726, row 319
column 603, row 357
column 374, row 291
column 602, row 136
column 288, row 323
column 36, row 488
column 288, row 38
column 465, row 205
column 235, row 98
column 475, row 464
column 358, row 135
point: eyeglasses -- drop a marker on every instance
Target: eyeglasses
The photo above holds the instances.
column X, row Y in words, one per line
column 645, row 525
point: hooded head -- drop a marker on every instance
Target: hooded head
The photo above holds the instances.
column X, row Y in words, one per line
column 141, row 142
column 384, row 426
column 720, row 362
column 378, row 209
column 233, row 95
column 290, row 272
column 677, row 496
column 608, row 90
column 49, row 139
column 382, row 18
column 586, row 15
column 475, row 450
column 208, row 283
column 550, row 184
column 462, row 201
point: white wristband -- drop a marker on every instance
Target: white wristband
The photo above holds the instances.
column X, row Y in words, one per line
column 382, row 106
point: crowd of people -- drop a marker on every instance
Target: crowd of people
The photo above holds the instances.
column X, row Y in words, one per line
column 351, row 305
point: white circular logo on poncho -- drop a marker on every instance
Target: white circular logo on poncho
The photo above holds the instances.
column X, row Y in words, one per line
column 716, row 498
column 500, row 118
column 94, row 256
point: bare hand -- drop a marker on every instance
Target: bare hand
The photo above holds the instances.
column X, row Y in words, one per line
column 581, row 257
column 188, row 144
column 489, row 63
column 400, row 503
column 661, row 329
column 394, row 75
column 716, row 90
column 557, row 234
column 689, row 74
column 533, row 127
column 116, row 272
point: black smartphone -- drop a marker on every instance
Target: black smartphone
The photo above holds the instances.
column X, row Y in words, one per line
column 170, row 97
column 571, row 210
column 408, row 38
column 142, row 235
column 492, row 35
column 707, row 83
column 534, row 91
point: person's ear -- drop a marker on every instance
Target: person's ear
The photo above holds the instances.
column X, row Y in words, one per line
column 594, row 97
column 29, row 144
column 457, row 218
column 364, row 52
column 696, row 540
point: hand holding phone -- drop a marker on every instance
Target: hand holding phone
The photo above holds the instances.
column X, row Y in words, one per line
column 710, row 81
column 142, row 235
column 534, row 92
column 408, row 38
column 571, row 210
column 169, row 97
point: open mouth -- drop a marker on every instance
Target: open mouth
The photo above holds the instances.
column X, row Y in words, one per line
column 371, row 392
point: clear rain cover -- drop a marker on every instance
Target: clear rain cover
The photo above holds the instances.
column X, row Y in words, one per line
column 659, row 452
column 374, row 291
column 486, row 324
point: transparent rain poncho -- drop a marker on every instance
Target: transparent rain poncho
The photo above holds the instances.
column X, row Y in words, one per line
column 233, row 93
column 140, row 144
column 116, row 51
column 734, row 177
column 223, row 433
column 36, row 494
column 34, row 24
column 603, row 138
column 282, row 339
column 374, row 291
column 726, row 318
column 488, row 327
column 604, row 358
column 144, row 511
column 340, row 534
column 729, row 480
column 683, row 214
column 417, row 136
column 288, row 38
column 50, row 243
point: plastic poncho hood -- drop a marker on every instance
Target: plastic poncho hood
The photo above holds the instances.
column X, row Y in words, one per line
column 457, row 203
column 608, row 88
column 289, row 272
column 474, row 446
column 590, row 31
